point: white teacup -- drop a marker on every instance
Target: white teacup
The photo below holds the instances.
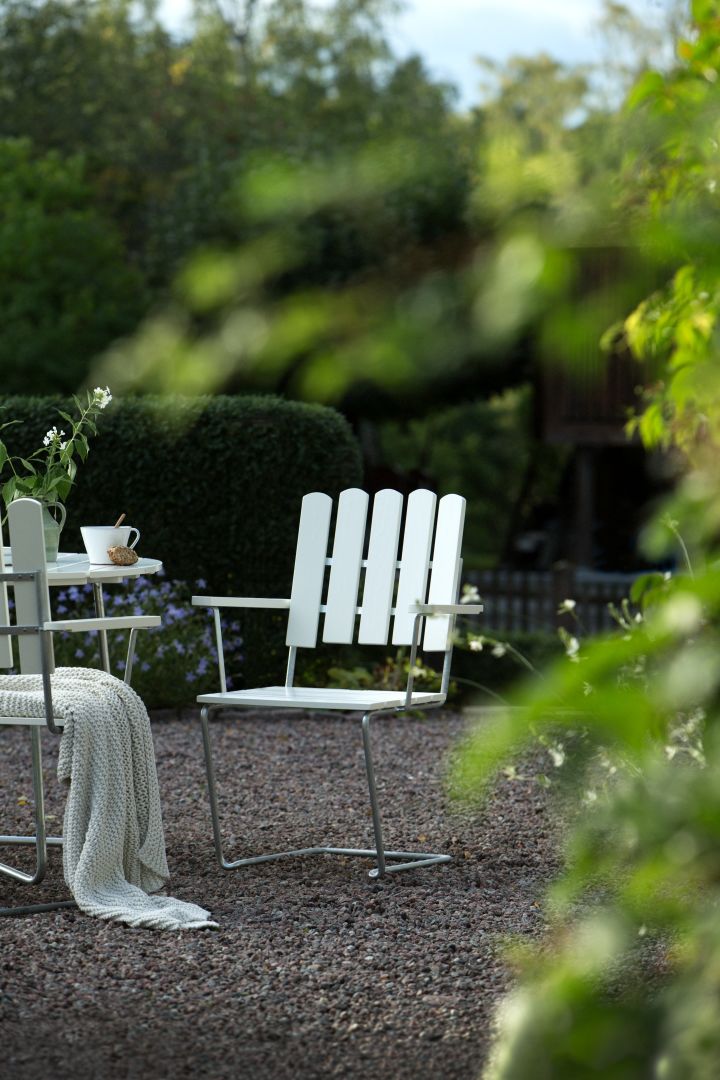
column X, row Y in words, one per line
column 98, row 538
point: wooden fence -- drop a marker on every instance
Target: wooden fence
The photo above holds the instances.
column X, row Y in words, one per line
column 529, row 599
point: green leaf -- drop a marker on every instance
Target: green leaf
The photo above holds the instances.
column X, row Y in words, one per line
column 704, row 10
column 64, row 487
column 8, row 490
column 645, row 584
column 650, row 85
column 83, row 447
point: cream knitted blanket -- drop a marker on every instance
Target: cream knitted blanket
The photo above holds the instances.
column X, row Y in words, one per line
column 113, row 840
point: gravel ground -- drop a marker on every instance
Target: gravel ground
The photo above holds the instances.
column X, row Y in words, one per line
column 315, row 971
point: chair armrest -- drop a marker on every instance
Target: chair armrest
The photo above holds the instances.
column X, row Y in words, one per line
column 113, row 622
column 446, row 609
column 239, row 602
column 217, row 602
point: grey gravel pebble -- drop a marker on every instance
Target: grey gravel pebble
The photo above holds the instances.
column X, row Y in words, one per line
column 315, row 971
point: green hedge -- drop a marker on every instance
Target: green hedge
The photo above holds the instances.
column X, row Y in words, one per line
column 213, row 483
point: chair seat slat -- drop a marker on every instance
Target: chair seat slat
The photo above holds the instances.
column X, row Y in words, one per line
column 307, row 697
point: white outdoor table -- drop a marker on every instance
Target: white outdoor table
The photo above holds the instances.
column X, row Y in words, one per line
column 76, row 569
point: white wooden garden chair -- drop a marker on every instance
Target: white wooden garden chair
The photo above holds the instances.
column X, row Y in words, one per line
column 33, row 628
column 395, row 603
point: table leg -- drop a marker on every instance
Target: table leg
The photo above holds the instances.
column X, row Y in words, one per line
column 102, row 634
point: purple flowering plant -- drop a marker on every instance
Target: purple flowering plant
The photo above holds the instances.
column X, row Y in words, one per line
column 173, row 662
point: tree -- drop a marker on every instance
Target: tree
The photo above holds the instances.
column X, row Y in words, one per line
column 65, row 289
column 176, row 134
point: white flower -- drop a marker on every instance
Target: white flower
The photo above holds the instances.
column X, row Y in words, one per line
column 54, row 436
column 587, row 689
column 572, row 647
column 557, row 755
column 102, row 397
column 476, row 644
column 567, row 605
column 470, row 595
column 499, row 649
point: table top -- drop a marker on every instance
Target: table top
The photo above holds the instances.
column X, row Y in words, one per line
column 76, row 569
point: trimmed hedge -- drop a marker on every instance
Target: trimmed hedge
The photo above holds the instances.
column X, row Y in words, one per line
column 213, row 483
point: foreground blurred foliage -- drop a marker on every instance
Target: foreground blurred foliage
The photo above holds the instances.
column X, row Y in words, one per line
column 196, row 140
column 302, row 210
column 627, row 982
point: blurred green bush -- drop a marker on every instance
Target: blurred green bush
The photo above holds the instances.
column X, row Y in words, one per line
column 66, row 286
column 213, row 484
column 481, row 449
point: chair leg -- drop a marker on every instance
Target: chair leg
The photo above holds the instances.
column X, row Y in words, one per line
column 212, row 789
column 40, row 839
column 377, row 827
column 214, row 813
column 407, row 860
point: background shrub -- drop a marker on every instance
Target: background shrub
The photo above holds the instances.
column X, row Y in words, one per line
column 500, row 672
column 483, row 449
column 213, row 484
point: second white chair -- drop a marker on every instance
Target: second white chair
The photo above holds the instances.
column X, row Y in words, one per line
column 379, row 596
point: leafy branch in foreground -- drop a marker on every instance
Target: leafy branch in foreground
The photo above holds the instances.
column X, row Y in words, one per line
column 643, row 858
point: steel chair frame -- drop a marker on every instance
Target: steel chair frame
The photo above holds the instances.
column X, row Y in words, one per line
column 387, row 862
column 27, row 538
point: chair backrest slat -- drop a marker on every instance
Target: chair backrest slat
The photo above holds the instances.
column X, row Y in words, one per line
column 446, row 569
column 412, row 584
column 6, row 650
column 32, row 602
column 380, row 600
column 342, row 599
column 381, row 565
column 309, row 573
